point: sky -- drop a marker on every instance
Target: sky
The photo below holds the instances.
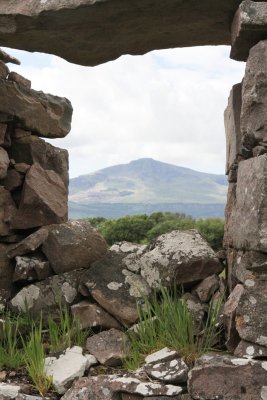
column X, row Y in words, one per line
column 167, row 105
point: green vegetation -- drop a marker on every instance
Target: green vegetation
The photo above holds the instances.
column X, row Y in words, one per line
column 34, row 357
column 24, row 343
column 65, row 332
column 144, row 228
column 169, row 323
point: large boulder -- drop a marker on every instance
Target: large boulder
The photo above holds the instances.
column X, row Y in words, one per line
column 115, row 288
column 48, row 295
column 73, row 245
column 48, row 116
column 227, row 377
column 44, row 200
column 178, row 257
column 148, row 25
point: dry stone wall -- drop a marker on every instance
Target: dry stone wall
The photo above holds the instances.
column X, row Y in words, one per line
column 37, row 244
column 246, row 211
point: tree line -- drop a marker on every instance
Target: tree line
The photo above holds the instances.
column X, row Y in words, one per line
column 144, row 228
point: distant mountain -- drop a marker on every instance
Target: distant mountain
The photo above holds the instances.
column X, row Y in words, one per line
column 146, row 184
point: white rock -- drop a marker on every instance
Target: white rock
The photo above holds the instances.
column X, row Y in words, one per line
column 70, row 365
column 161, row 355
column 10, row 391
column 91, row 360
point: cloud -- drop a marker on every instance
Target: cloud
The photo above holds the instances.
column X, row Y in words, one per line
column 167, row 105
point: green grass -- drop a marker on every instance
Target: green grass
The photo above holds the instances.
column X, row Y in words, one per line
column 34, row 357
column 169, row 323
column 65, row 331
column 11, row 354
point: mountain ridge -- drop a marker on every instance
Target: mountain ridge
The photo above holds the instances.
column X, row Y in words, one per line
column 148, row 181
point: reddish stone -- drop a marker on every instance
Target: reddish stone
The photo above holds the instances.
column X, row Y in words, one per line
column 91, row 314
column 31, row 149
column 19, row 133
column 109, row 347
column 73, row 245
column 227, row 377
column 43, row 201
column 22, row 167
column 50, row 116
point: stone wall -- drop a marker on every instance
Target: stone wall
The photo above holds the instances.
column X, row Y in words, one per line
column 34, row 196
column 246, row 211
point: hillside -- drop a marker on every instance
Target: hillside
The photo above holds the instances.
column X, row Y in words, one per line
column 148, row 181
column 146, row 184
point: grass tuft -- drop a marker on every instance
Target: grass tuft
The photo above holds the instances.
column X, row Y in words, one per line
column 169, row 323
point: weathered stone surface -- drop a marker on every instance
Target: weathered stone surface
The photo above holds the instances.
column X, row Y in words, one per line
column 31, row 150
column 108, row 387
column 7, row 211
column 205, row 289
column 127, row 248
column 91, row 314
column 249, row 222
column 13, row 180
column 29, row 244
column 232, row 128
column 166, row 366
column 4, row 71
column 22, row 167
column 114, row 289
column 19, row 133
column 253, row 119
column 250, row 350
column 9, row 391
column 128, row 30
column 127, row 396
column 197, row 310
column 178, row 257
column 251, row 322
column 229, row 314
column 73, row 245
column 228, row 378
column 47, row 295
column 248, row 28
column 32, row 268
column 6, row 272
column 4, row 163
column 49, row 116
column 15, row 77
column 6, row 58
column 44, row 200
column 108, row 347
column 70, row 365
column 245, row 265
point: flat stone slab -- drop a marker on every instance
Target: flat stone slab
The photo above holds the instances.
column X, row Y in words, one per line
column 248, row 28
column 105, row 387
column 92, row 32
column 229, row 378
